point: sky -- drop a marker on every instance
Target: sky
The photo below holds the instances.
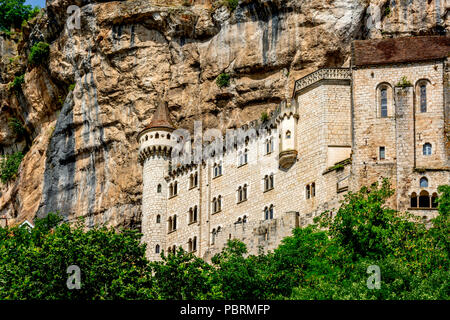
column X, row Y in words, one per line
column 40, row 3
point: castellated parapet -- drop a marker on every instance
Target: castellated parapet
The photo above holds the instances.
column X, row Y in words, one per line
column 343, row 128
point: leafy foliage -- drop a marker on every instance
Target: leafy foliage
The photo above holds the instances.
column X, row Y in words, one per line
column 14, row 12
column 404, row 82
column 9, row 166
column 39, row 53
column 264, row 117
column 16, row 84
column 327, row 260
column 33, row 265
column 232, row 4
column 17, row 127
column 223, row 80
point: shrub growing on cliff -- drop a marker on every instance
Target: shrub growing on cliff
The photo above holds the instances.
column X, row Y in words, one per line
column 223, row 80
column 232, row 4
column 13, row 12
column 17, row 127
column 9, row 166
column 16, row 84
column 39, row 53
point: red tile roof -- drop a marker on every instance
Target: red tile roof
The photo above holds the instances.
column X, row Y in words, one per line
column 400, row 50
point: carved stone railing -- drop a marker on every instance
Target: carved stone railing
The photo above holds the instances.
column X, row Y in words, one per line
column 322, row 74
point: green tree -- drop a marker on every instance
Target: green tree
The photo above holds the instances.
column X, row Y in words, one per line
column 181, row 276
column 13, row 12
column 33, row 265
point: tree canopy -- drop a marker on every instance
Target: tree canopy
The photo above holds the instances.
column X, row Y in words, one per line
column 326, row 260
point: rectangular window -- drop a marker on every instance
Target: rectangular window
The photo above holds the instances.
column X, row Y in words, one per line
column 382, row 153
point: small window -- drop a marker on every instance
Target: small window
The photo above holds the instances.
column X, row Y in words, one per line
column 313, row 189
column 168, row 136
column 158, row 219
column 423, row 98
column 423, row 182
column 434, row 202
column 424, row 199
column 382, row 153
column 383, row 103
column 268, row 212
column 174, row 222
column 308, row 192
column 157, row 248
column 194, row 244
column 146, row 138
column 288, row 134
column 158, row 188
column 413, row 200
column 157, row 135
column 175, row 188
column 427, row 149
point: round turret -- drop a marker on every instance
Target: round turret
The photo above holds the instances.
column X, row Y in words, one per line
column 156, row 143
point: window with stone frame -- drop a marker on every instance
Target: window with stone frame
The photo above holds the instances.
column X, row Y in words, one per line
column 268, row 212
column 423, row 97
column 427, row 149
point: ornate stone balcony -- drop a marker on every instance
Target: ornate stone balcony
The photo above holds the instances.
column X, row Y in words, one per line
column 320, row 75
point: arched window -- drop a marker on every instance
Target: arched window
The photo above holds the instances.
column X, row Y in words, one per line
column 423, row 97
column 313, row 189
column 214, row 205
column 175, row 188
column 239, row 194
column 271, row 184
column 268, row 212
column 427, row 149
column 219, row 203
column 191, row 181
column 434, row 203
column 423, row 182
column 308, row 192
column 266, row 182
column 158, row 188
column 413, row 200
column 194, row 244
column 195, row 214
column 174, row 222
column 146, row 138
column 157, row 248
column 190, row 245
column 383, row 102
column 171, row 190
column 269, row 145
column 196, row 179
column 244, row 219
column 168, row 136
column 213, row 236
column 424, row 199
column 170, row 224
column 158, row 219
column 288, row 134
column 244, row 192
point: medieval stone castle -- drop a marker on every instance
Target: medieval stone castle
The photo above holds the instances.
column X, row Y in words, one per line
column 387, row 115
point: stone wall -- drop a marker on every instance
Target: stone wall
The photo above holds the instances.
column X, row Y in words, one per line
column 403, row 133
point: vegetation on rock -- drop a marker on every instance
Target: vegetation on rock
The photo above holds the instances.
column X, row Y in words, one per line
column 223, row 80
column 39, row 53
column 16, row 84
column 17, row 127
column 9, row 166
column 327, row 260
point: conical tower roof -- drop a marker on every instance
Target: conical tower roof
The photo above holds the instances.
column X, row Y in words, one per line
column 161, row 118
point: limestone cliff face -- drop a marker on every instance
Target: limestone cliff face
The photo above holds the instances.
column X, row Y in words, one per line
column 82, row 157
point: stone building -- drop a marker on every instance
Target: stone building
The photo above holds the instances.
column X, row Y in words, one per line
column 385, row 116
